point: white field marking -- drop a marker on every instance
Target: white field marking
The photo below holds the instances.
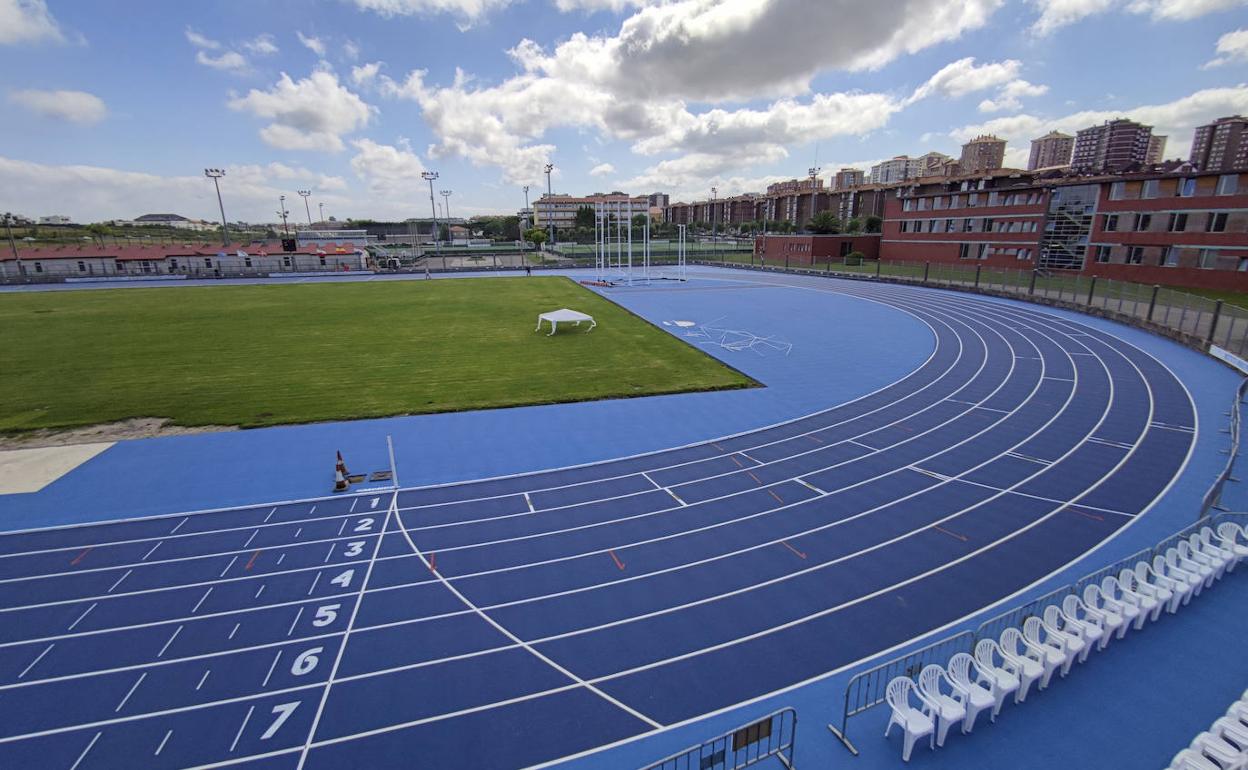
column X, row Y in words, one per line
column 152, row 551
column 329, row 553
column 233, row 630
column 1109, row 443
column 133, row 687
column 231, row 564
column 1028, row 458
column 342, row 528
column 297, row 532
column 295, row 622
column 314, row 582
column 26, row 670
column 201, row 600
column 1060, row 379
column 675, row 496
column 346, row 635
column 180, row 523
column 515, row 639
column 280, row 558
column 123, row 577
column 203, row 679
column 312, row 511
column 373, row 503
column 1044, row 499
column 83, row 755
column 259, row 591
column 266, row 518
column 644, row 475
column 242, row 727
column 991, row 409
column 1165, row 426
column 272, row 666
column 930, row 474
column 163, row 742
column 864, row 446
column 748, row 457
column 810, row 486
column 83, row 615
column 353, row 502
column 529, row 502
column 176, row 631
column 253, row 537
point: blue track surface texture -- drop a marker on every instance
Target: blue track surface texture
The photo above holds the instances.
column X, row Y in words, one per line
column 519, row 620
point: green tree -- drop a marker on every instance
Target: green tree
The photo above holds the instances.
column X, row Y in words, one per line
column 824, row 223
column 873, row 224
column 854, row 225
column 536, row 236
column 584, row 217
column 639, row 220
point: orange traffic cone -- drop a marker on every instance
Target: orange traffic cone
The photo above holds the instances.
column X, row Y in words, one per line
column 340, row 475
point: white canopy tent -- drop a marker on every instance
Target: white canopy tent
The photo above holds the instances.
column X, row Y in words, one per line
column 566, row 316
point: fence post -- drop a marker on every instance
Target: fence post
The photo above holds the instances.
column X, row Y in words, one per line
column 1091, row 290
column 786, row 260
column 878, row 261
column 1031, row 290
column 977, row 269
column 1213, row 325
column 926, row 267
column 1152, row 302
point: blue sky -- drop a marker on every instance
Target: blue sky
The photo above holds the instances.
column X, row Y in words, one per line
column 114, row 109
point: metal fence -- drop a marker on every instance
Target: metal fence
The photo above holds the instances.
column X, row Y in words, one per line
column 772, row 737
column 1213, row 498
column 1014, row 618
column 866, row 690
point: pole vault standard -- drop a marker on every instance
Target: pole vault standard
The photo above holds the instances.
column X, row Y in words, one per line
column 621, row 266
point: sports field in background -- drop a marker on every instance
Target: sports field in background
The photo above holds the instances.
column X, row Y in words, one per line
column 274, row 354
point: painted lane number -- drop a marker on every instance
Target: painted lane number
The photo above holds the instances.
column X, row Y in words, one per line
column 344, row 580
column 326, row 614
column 306, row 661
column 283, row 712
column 354, row 548
column 364, row 525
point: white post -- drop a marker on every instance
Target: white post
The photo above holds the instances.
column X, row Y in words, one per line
column 630, row 241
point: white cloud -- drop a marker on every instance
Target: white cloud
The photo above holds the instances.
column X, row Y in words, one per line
column 73, row 106
column 351, row 50
column 590, row 6
column 312, row 113
column 1176, row 119
column 261, row 45
column 1232, row 47
column 1009, row 98
column 466, row 9
column 313, row 44
column 27, row 21
column 1055, row 14
column 602, row 169
column 199, row 41
column 228, row 61
column 962, row 77
column 388, row 170
column 365, row 74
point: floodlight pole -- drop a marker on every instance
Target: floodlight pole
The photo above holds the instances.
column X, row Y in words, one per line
column 304, row 194
column 714, row 240
column 429, row 176
column 549, row 205
column 446, row 196
column 215, row 174
column 281, row 202
column 321, row 208
column 814, row 196
column 8, row 225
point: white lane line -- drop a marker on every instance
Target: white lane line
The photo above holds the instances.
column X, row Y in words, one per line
column 26, row 670
column 241, row 727
column 930, row 474
column 253, row 537
column 1109, row 443
column 644, row 475
column 176, row 631
column 529, row 503
column 342, row 529
column 83, row 755
column 329, row 553
column 297, row 532
column 751, row 459
column 295, row 622
column 1167, row 426
column 162, row 743
column 259, row 591
column 272, row 666
column 231, row 564
column 133, row 687
column 203, row 679
column 855, row 442
column 180, row 523
column 201, row 600
column 1028, row 458
column 80, row 617
column 234, row 630
column 1059, row 379
column 312, row 511
column 123, row 577
column 353, row 502
column 314, row 582
column 282, row 557
column 152, row 551
column 675, row 497
column 810, row 486
column 266, row 518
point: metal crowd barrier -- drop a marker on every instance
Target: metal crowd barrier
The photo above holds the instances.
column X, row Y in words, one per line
column 773, row 736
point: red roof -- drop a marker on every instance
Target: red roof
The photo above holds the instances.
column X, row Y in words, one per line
column 128, row 253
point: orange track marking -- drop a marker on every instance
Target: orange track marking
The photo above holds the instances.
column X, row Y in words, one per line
column 619, row 564
column 773, row 494
column 815, row 439
column 80, row 556
column 791, row 548
column 755, row 478
column 1092, row 516
column 735, row 460
column 433, row 562
column 251, row 561
column 938, row 528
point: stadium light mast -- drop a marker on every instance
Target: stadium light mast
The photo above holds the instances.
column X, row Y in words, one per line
column 321, row 208
column 814, row 195
column 304, row 194
column 8, row 226
column 549, row 205
column 429, row 176
column 714, row 237
column 281, row 202
column 526, row 212
column 446, row 196
column 215, row 174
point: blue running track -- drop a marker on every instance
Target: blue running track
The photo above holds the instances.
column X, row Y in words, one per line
column 515, row 621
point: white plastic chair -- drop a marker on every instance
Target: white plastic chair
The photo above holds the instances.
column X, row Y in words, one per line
column 1176, row 564
column 1111, row 620
column 1143, row 596
column 1154, row 589
column 1053, row 649
column 1232, row 731
column 1031, row 660
column 914, row 722
column 1115, row 598
column 1177, row 581
column 1004, row 678
column 1187, row 759
column 950, row 707
column 1225, row 755
column 1239, row 712
column 1203, row 565
column 1071, row 638
column 1213, row 544
column 1236, row 537
column 1089, row 628
column 975, row 685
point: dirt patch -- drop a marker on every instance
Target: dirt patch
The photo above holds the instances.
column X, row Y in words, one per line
column 139, row 427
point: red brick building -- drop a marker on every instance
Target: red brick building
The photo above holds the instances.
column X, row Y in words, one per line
column 799, row 250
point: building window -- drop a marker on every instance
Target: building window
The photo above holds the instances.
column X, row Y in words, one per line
column 931, row 225
column 322, row 261
column 905, row 226
column 38, row 267
column 1243, row 265
column 173, row 263
column 949, row 226
column 285, row 261
column 1177, row 223
column 955, row 201
column 1102, row 254
column 972, row 200
column 1186, row 188
column 118, row 266
column 1150, row 188
column 966, row 225
column 964, row 251
column 246, row 261
column 987, row 224
column 1024, row 254
column 82, row 266
column 1228, row 184
column 1208, row 259
column 1109, row 223
column 1216, row 223
column 207, row 262
column 907, row 205
column 1117, row 190
column 1135, row 255
column 1142, row 221
column 1171, row 257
